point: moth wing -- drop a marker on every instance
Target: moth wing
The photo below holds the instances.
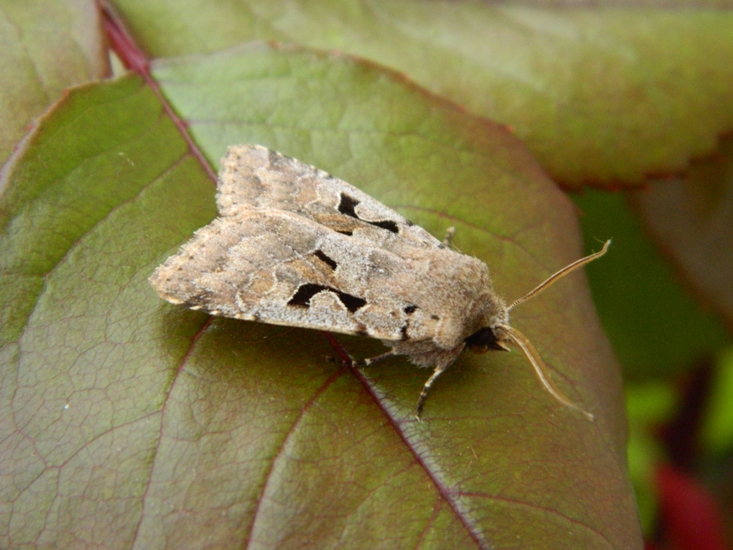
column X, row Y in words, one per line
column 255, row 176
column 277, row 267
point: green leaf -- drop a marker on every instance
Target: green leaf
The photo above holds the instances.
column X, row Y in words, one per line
column 47, row 47
column 606, row 95
column 656, row 326
column 130, row 421
column 716, row 433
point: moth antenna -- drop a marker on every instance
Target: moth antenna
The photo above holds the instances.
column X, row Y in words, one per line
column 560, row 274
column 540, row 368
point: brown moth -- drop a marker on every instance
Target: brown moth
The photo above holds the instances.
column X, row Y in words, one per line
column 296, row 246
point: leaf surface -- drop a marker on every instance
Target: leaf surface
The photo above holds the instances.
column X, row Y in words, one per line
column 131, row 422
column 605, row 95
column 33, row 74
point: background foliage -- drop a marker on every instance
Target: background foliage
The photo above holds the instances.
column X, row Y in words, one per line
column 127, row 421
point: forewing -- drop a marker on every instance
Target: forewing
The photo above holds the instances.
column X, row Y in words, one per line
column 254, row 176
column 278, row 267
column 296, row 246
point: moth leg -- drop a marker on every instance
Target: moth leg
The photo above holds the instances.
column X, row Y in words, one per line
column 440, row 369
column 360, row 363
column 449, row 235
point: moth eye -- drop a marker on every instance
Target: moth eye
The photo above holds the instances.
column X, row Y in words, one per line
column 481, row 337
column 322, row 256
column 410, row 309
column 302, row 297
column 347, row 206
column 483, row 340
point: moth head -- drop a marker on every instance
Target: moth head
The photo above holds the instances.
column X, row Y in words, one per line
column 485, row 339
column 499, row 335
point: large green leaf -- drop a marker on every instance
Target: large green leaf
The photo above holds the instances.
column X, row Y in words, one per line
column 606, row 95
column 129, row 421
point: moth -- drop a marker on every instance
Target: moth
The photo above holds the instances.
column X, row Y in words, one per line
column 296, row 246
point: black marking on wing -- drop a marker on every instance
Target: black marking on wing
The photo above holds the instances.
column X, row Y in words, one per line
column 303, row 295
column 347, row 206
column 410, row 309
column 322, row 256
column 386, row 224
column 351, row 302
column 403, row 332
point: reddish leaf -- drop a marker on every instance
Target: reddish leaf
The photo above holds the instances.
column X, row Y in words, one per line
column 128, row 421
